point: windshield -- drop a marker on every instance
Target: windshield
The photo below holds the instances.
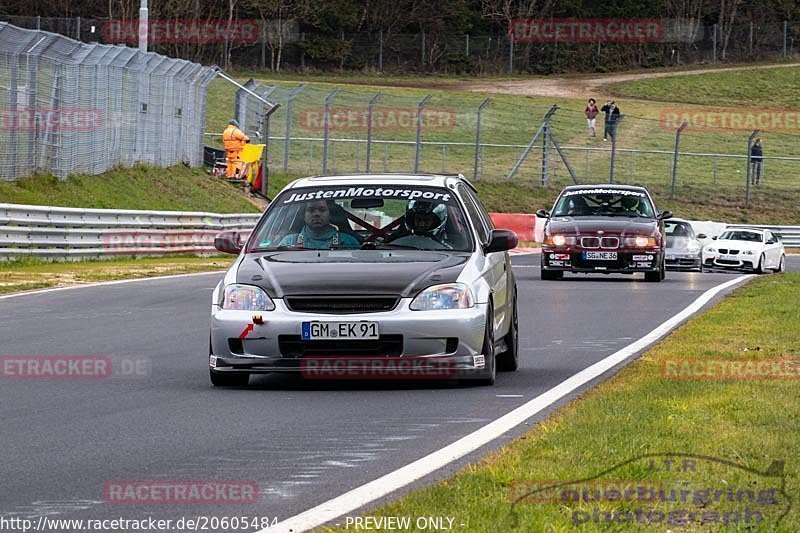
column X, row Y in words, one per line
column 678, row 229
column 603, row 202
column 750, row 236
column 359, row 217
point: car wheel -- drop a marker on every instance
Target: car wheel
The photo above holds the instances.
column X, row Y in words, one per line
column 549, row 275
column 508, row 361
column 781, row 264
column 657, row 276
column 760, row 267
column 488, row 351
column 228, row 379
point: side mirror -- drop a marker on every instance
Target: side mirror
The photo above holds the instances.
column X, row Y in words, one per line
column 229, row 242
column 702, row 236
column 714, row 238
column 541, row 213
column 502, row 240
column 663, row 215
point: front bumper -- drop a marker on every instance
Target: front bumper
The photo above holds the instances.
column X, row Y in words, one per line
column 736, row 262
column 627, row 261
column 276, row 346
column 682, row 261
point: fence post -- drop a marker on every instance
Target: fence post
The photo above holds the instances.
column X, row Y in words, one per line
column 750, row 41
column 419, row 131
column 423, row 49
column 369, row 131
column 466, row 45
column 287, row 134
column 714, row 40
column 749, row 169
column 785, row 35
column 675, row 158
column 263, row 45
column 38, row 22
column 528, row 148
column 614, row 125
column 326, row 124
column 303, row 51
column 78, row 31
column 545, row 149
column 265, row 136
column 380, row 52
column 510, row 54
column 478, row 136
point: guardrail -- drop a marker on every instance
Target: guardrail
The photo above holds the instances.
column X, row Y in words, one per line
column 66, row 232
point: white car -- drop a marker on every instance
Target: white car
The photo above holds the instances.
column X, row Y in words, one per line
column 746, row 248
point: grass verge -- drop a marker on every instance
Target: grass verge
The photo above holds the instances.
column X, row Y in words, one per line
column 28, row 274
column 649, row 428
column 177, row 188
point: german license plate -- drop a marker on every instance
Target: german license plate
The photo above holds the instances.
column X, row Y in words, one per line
column 600, row 256
column 311, row 331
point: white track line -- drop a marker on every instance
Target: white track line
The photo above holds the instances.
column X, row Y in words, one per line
column 103, row 283
column 371, row 491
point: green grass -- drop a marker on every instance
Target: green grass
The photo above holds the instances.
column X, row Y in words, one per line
column 775, row 88
column 749, row 423
column 28, row 274
column 141, row 187
column 706, row 187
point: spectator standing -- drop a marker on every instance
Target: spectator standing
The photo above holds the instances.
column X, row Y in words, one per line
column 591, row 113
column 612, row 117
column 756, row 160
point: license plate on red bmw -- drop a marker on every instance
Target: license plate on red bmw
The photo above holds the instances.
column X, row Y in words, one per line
column 312, row 331
column 600, row 256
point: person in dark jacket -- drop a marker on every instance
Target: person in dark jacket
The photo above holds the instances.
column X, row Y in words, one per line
column 612, row 117
column 756, row 159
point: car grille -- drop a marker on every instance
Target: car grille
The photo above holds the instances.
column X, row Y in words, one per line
column 728, row 262
column 339, row 305
column 385, row 345
column 608, row 243
column 682, row 261
column 728, row 252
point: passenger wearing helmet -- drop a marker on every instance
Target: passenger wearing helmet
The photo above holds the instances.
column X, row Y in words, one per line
column 424, row 226
column 577, row 206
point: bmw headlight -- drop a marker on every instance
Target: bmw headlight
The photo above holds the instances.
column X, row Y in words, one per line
column 748, row 252
column 246, row 298
column 446, row 296
column 711, row 250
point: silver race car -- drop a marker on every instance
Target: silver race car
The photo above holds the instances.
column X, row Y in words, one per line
column 369, row 276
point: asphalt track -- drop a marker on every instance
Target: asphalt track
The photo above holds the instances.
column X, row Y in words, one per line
column 301, row 442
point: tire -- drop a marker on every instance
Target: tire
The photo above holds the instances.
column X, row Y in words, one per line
column 488, row 351
column 508, row 361
column 225, row 379
column 655, row 277
column 781, row 265
column 760, row 268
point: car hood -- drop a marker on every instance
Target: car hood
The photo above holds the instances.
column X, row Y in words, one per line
column 356, row 272
column 735, row 245
column 681, row 244
column 609, row 225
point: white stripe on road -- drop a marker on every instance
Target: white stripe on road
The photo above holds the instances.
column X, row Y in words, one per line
column 378, row 488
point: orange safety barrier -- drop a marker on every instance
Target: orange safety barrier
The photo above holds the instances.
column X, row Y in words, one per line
column 522, row 224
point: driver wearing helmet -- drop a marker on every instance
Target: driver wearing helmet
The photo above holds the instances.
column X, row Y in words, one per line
column 424, row 226
column 630, row 204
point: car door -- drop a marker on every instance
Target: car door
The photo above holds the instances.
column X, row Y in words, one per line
column 773, row 249
column 495, row 269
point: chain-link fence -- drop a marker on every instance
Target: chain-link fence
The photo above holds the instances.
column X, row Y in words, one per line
column 67, row 107
column 680, row 42
column 318, row 130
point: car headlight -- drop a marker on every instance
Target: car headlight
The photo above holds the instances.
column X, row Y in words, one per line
column 640, row 241
column 693, row 247
column 560, row 240
column 446, row 296
column 711, row 250
column 748, row 252
column 246, row 298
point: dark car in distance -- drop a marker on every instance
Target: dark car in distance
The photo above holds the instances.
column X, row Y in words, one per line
column 604, row 229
